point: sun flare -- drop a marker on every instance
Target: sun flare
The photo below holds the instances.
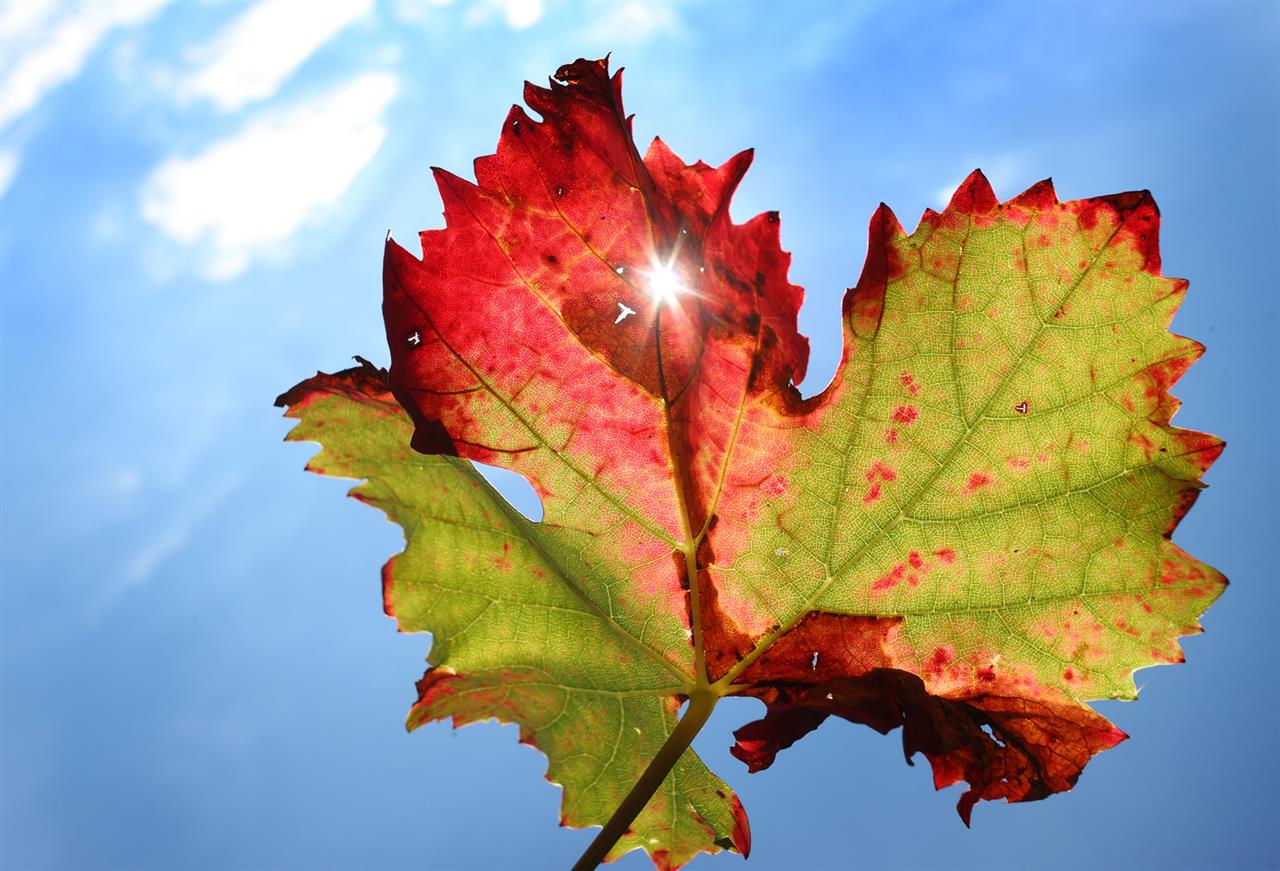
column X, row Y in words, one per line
column 664, row 285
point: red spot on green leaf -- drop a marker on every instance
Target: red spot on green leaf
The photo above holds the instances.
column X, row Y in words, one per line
column 977, row 480
column 879, row 471
column 890, row 578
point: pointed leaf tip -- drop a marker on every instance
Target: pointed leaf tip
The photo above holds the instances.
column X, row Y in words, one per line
column 741, row 828
column 881, row 262
column 974, row 196
column 1139, row 220
column 1039, row 196
column 885, row 224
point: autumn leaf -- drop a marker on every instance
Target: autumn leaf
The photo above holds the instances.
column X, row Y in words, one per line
column 966, row 534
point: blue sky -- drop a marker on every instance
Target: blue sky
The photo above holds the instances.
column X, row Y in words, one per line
column 194, row 668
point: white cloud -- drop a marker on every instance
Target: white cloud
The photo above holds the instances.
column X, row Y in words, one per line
column 416, row 11
column 254, row 189
column 258, row 51
column 43, row 46
column 518, row 14
column 942, row 195
column 8, row 168
column 523, row 13
column 21, row 19
column 630, row 22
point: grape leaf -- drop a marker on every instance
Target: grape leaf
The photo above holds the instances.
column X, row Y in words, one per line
column 966, row 534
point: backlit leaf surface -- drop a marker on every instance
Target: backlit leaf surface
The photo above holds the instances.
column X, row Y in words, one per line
column 966, row 534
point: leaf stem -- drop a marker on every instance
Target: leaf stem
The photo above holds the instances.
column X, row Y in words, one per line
column 701, row 704
column 690, row 545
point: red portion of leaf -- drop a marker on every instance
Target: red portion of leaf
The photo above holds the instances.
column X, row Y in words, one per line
column 364, row 383
column 514, row 293
column 974, row 196
column 1013, row 748
column 1005, row 746
column 505, row 331
column 741, row 829
column 1040, row 196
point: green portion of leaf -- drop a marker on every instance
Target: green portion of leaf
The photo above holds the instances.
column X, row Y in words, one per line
column 514, row 637
column 995, row 462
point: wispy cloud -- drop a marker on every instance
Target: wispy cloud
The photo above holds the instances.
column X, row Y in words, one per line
column 631, row 21
column 8, row 168
column 258, row 51
column 523, row 13
column 174, row 536
column 518, row 14
column 44, row 45
column 416, row 11
column 254, row 189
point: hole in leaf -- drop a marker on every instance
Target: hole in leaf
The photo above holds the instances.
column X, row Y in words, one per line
column 986, row 727
column 514, row 488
